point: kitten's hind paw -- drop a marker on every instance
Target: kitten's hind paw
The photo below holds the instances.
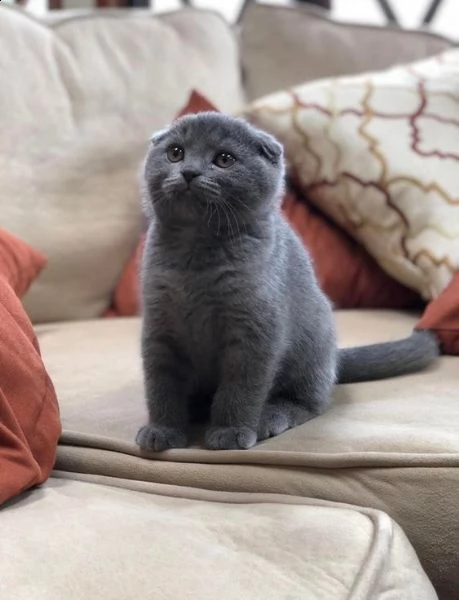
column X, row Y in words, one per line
column 279, row 416
column 230, row 438
column 273, row 422
column 157, row 438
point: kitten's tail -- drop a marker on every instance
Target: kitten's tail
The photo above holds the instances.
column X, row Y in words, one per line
column 390, row 359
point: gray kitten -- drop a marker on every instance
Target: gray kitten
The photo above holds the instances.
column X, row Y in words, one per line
column 235, row 325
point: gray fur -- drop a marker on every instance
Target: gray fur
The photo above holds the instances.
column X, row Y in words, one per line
column 380, row 361
column 235, row 326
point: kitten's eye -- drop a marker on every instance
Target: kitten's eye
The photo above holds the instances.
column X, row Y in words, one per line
column 175, row 153
column 224, row 160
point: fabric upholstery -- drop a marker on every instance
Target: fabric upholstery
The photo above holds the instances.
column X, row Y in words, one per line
column 142, row 541
column 29, row 415
column 75, row 120
column 284, row 46
column 391, row 445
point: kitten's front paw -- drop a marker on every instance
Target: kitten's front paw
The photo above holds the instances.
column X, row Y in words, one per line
column 230, row 438
column 157, row 438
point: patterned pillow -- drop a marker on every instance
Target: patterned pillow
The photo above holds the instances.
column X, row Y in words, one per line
column 379, row 153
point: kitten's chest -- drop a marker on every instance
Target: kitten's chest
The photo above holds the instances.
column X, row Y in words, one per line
column 202, row 316
column 202, row 308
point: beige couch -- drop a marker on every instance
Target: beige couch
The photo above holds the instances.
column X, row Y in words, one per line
column 324, row 511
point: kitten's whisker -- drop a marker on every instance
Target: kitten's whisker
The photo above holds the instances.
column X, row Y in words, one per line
column 159, row 200
column 208, row 212
column 231, row 214
column 234, row 215
column 210, row 184
column 218, row 215
column 170, row 183
column 245, row 205
column 228, row 221
column 212, row 192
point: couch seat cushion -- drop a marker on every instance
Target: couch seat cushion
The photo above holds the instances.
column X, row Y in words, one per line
column 392, row 445
column 178, row 543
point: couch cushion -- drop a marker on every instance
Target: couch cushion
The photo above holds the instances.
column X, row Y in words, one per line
column 78, row 104
column 283, row 46
column 176, row 543
column 392, row 445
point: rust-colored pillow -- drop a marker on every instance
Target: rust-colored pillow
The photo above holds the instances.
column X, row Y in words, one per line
column 29, row 414
column 349, row 276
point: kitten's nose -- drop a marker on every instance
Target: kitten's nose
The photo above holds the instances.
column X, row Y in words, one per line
column 189, row 174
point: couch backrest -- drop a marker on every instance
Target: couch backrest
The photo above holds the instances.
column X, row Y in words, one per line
column 78, row 103
column 284, row 46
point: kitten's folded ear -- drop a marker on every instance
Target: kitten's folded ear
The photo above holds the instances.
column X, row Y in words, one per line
column 159, row 136
column 269, row 147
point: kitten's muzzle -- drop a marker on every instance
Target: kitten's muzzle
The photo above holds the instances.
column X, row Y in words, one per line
column 190, row 174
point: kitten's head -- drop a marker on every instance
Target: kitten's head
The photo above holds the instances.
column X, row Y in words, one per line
column 209, row 165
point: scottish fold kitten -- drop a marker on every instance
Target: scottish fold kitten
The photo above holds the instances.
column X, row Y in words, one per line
column 235, row 325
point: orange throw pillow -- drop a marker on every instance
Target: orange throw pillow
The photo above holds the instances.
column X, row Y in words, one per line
column 349, row 276
column 29, row 414
column 346, row 272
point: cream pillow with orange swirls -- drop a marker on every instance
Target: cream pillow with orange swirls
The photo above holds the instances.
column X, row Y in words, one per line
column 380, row 154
